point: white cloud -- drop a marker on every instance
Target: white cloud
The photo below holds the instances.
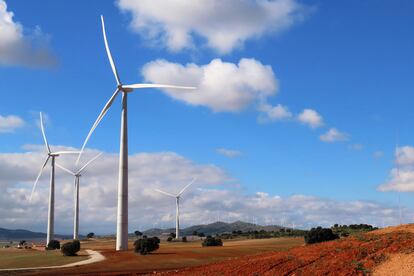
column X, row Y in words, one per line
column 16, row 48
column 311, row 118
column 402, row 176
column 203, row 203
column 356, row 147
column 228, row 152
column 224, row 25
column 10, row 123
column 334, row 135
column 221, row 86
column 273, row 113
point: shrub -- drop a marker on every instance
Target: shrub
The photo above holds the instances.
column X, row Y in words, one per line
column 90, row 235
column 211, row 241
column 169, row 239
column 201, row 235
column 320, row 234
column 138, row 233
column 71, row 248
column 52, row 245
column 146, row 245
column 184, row 239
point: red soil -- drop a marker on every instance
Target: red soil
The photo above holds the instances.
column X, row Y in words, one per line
column 350, row 256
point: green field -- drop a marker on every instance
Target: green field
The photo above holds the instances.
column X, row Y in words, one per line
column 20, row 258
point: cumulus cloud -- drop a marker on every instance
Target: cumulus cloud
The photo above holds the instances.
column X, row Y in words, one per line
column 221, row 86
column 206, row 201
column 224, row 25
column 228, row 152
column 273, row 113
column 334, row 135
column 311, row 118
column 16, row 48
column 10, row 123
column 402, row 176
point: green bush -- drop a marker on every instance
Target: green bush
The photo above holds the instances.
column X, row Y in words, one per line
column 146, row 245
column 320, row 234
column 52, row 245
column 71, row 248
column 169, row 239
column 90, row 235
column 184, row 239
column 211, row 241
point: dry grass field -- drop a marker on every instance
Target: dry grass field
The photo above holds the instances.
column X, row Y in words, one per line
column 170, row 256
column 20, row 258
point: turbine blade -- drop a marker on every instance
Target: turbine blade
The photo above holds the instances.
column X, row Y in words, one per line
column 43, row 132
column 188, row 185
column 65, row 152
column 37, row 178
column 153, row 85
column 108, row 52
column 165, row 193
column 90, row 161
column 98, row 120
column 65, row 169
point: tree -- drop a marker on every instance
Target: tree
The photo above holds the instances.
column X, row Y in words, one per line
column 201, row 235
column 138, row 233
column 320, row 234
column 195, row 233
column 90, row 235
column 146, row 245
column 211, row 241
column 184, row 239
column 71, row 248
column 169, row 239
column 52, row 245
column 172, row 235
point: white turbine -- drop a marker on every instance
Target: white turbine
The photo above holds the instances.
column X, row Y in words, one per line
column 177, row 205
column 122, row 214
column 50, row 155
column 77, row 176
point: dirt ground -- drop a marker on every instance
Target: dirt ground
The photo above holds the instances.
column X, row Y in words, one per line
column 387, row 251
column 170, row 256
column 381, row 252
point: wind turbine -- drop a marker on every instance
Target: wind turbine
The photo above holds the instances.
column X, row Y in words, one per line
column 177, row 204
column 122, row 214
column 398, row 177
column 50, row 155
column 77, row 176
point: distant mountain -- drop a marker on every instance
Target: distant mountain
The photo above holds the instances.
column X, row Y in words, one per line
column 21, row 234
column 214, row 228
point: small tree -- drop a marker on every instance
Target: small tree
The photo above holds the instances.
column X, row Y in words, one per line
column 71, row 248
column 90, row 235
column 211, row 241
column 195, row 233
column 146, row 245
column 138, row 233
column 169, row 239
column 184, row 239
column 172, row 235
column 201, row 235
column 52, row 245
column 320, row 234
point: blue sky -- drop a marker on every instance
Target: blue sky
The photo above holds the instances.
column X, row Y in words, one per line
column 350, row 61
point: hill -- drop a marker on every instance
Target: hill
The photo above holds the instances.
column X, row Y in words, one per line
column 215, row 228
column 21, row 234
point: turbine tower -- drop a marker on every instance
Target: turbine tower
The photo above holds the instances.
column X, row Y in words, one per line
column 77, row 176
column 177, row 205
column 50, row 155
column 122, row 213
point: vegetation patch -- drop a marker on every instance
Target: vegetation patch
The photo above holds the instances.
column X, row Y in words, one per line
column 146, row 245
